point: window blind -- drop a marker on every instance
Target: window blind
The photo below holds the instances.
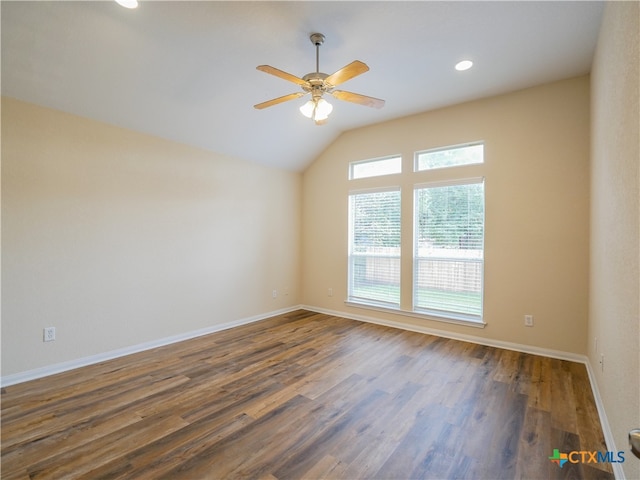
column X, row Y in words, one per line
column 374, row 247
column 449, row 249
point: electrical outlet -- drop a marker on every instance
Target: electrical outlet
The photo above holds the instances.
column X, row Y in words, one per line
column 274, row 294
column 528, row 320
column 49, row 334
column 602, row 362
column 330, row 292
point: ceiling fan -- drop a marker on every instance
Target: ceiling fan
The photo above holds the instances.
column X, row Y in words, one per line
column 318, row 83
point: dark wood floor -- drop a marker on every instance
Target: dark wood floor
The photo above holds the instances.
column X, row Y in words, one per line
column 305, row 395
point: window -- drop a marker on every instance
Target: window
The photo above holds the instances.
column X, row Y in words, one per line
column 375, row 167
column 443, row 234
column 450, row 157
column 374, row 247
column 449, row 242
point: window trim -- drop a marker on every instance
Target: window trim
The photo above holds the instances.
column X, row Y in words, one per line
column 455, row 320
column 449, row 182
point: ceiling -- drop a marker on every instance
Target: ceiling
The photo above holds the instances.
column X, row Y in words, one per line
column 185, row 71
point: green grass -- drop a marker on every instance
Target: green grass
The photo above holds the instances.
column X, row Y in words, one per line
column 469, row 303
column 379, row 293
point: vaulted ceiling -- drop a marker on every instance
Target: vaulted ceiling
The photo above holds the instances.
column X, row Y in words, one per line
column 186, row 71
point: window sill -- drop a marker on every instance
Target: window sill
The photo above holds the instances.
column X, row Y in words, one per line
column 456, row 320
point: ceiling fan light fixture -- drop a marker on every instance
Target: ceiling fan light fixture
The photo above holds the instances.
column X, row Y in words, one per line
column 323, row 109
column 307, row 108
column 317, row 109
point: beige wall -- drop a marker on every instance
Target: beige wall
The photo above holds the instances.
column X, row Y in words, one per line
column 615, row 222
column 117, row 238
column 537, row 210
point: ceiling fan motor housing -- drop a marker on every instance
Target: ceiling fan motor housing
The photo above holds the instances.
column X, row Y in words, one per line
column 316, row 84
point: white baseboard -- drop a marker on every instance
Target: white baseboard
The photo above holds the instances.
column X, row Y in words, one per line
column 545, row 352
column 121, row 352
column 609, row 439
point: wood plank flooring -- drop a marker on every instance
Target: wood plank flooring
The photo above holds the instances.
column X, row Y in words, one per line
column 305, row 395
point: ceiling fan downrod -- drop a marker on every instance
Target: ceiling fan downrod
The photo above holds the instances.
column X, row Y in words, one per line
column 317, row 39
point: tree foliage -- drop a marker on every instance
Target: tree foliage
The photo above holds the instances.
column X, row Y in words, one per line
column 376, row 219
column 451, row 216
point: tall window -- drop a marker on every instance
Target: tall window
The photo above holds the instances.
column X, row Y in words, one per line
column 374, row 247
column 449, row 243
column 446, row 226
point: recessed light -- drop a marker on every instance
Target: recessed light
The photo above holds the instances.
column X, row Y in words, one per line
column 128, row 3
column 464, row 65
